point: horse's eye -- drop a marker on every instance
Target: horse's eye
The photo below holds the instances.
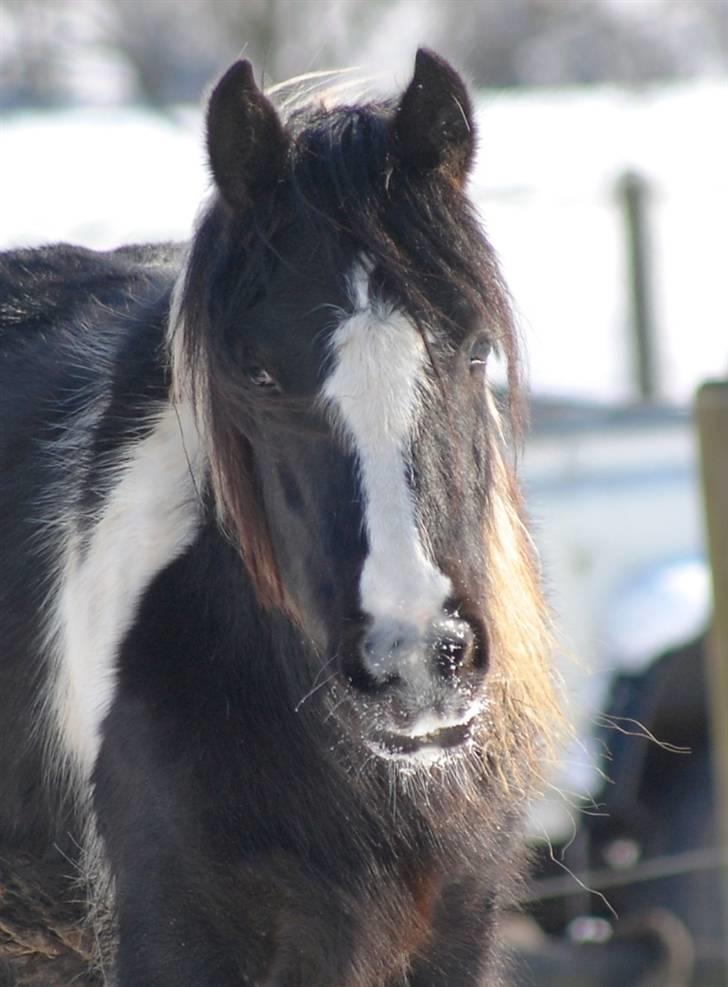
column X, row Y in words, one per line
column 479, row 353
column 260, row 377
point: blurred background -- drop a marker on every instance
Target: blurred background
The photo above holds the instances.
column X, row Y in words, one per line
column 602, row 179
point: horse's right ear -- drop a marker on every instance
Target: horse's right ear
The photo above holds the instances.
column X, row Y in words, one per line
column 246, row 141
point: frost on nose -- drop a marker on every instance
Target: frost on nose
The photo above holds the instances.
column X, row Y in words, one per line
column 454, row 645
column 393, row 652
column 418, row 658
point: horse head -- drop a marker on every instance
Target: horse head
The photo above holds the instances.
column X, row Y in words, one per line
column 333, row 329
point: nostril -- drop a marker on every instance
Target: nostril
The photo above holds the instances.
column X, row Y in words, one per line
column 372, row 664
column 384, row 648
column 375, row 650
column 455, row 648
column 361, row 679
column 452, row 654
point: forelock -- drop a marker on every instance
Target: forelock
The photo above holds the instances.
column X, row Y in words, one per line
column 421, row 235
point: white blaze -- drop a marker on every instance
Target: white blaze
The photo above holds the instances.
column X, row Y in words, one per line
column 376, row 390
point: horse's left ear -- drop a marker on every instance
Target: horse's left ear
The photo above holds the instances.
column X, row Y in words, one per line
column 433, row 124
column 246, row 141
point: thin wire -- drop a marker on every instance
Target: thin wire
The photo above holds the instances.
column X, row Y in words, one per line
column 655, row 869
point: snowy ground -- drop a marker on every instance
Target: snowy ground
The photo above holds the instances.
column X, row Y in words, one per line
column 545, row 182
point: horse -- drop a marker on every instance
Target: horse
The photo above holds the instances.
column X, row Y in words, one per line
column 276, row 684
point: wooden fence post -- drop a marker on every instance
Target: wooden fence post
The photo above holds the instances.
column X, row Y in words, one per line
column 634, row 194
column 712, row 419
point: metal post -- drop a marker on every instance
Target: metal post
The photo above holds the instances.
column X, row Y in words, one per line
column 712, row 417
column 633, row 193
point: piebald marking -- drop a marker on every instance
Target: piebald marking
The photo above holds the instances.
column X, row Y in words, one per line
column 148, row 520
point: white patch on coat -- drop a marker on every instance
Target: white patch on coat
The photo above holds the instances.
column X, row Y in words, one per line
column 147, row 521
column 376, row 390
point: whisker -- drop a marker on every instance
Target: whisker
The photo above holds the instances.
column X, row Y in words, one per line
column 312, row 691
column 611, row 722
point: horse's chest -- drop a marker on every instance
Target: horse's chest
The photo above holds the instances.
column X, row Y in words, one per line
column 306, row 929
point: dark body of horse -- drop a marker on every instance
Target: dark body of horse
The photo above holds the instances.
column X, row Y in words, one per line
column 273, row 654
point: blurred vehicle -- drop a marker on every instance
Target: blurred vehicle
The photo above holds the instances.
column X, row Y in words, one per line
column 615, row 510
column 614, row 497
